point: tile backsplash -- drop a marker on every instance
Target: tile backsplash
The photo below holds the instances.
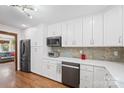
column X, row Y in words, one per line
column 98, row 53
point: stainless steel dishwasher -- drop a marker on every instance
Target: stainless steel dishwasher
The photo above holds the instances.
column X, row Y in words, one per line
column 71, row 74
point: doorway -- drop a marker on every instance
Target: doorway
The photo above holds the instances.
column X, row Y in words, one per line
column 9, row 46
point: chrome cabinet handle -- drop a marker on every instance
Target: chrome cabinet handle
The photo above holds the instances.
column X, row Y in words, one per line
column 58, row 68
column 120, row 39
column 92, row 42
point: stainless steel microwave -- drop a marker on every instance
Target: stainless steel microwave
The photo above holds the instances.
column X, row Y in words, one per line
column 54, row 41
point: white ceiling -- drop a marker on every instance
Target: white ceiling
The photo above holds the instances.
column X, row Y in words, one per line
column 46, row 14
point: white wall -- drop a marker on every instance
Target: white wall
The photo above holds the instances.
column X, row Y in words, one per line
column 13, row 30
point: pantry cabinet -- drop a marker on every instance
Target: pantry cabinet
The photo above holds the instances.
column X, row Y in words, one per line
column 35, row 35
column 113, row 27
column 36, row 59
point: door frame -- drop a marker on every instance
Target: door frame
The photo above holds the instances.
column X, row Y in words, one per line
column 16, row 46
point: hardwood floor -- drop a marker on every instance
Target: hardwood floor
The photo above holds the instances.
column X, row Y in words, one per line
column 31, row 80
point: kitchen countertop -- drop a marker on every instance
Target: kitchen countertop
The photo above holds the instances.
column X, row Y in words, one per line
column 116, row 69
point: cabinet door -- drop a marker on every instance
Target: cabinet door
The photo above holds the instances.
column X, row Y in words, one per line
column 59, row 72
column 44, row 68
column 113, row 27
column 99, row 77
column 77, row 33
column 35, row 34
column 59, row 29
column 72, row 33
column 98, row 30
column 123, row 23
column 87, row 31
column 86, row 79
column 52, row 30
column 49, row 70
column 67, row 36
column 64, row 34
column 52, row 70
column 36, row 59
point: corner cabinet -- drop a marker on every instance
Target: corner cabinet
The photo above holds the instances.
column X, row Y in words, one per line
column 113, row 27
column 95, row 77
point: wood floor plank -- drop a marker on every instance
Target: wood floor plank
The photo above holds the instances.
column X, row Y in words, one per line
column 31, row 80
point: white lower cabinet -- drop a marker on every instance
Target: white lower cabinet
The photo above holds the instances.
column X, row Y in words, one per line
column 59, row 72
column 86, row 76
column 86, row 79
column 95, row 77
column 36, row 58
column 99, row 77
column 51, row 69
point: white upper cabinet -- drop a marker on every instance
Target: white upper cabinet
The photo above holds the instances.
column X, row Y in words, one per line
column 113, row 27
column 72, row 33
column 64, row 34
column 87, row 31
column 98, row 30
column 54, row 30
column 123, row 23
column 35, row 34
column 93, row 30
column 77, row 33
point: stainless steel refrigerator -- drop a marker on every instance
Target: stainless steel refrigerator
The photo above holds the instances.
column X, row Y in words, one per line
column 25, row 55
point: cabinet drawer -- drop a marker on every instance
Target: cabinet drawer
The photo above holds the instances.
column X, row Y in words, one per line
column 86, row 67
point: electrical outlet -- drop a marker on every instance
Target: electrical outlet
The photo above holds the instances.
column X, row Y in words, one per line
column 81, row 51
column 115, row 53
